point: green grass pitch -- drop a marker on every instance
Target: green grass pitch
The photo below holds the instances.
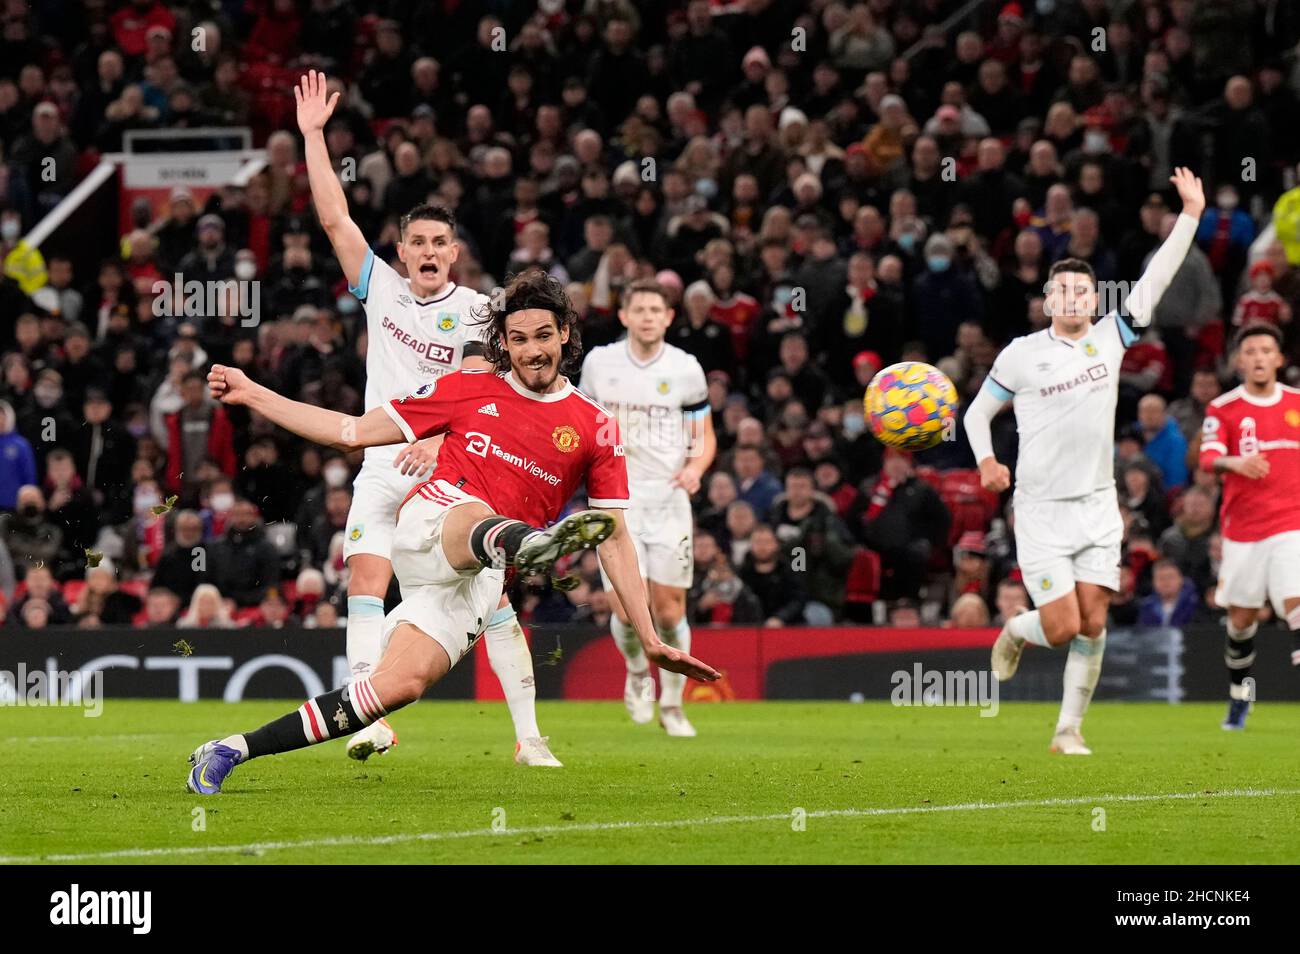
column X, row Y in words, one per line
column 877, row 784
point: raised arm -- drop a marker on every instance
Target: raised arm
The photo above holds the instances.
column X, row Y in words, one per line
column 314, row 111
column 317, row 424
column 1164, row 264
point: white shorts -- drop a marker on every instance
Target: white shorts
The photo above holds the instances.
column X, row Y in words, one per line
column 664, row 548
column 377, row 492
column 1252, row 572
column 452, row 606
column 1063, row 542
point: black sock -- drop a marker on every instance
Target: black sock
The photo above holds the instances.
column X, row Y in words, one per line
column 495, row 540
column 329, row 716
column 1239, row 653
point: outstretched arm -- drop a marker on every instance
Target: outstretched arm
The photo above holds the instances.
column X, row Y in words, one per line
column 314, row 111
column 317, row 424
column 618, row 557
column 1164, row 264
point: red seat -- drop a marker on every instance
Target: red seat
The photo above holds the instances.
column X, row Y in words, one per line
column 72, row 591
column 863, row 583
column 972, row 507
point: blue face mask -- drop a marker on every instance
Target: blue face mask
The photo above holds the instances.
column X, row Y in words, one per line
column 854, row 425
column 938, row 263
column 706, row 187
column 907, row 242
column 347, row 305
column 1046, row 7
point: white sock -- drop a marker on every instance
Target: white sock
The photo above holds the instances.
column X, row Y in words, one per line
column 238, row 743
column 1082, row 667
column 629, row 645
column 1029, row 628
column 671, row 684
column 512, row 662
column 365, row 634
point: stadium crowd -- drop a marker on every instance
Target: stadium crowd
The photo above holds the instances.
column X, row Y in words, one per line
column 824, row 188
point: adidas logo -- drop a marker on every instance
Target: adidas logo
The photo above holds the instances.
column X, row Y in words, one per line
column 489, row 409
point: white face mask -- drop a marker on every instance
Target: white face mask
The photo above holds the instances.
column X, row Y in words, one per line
column 336, row 476
column 223, row 501
column 854, row 425
column 10, row 229
column 245, row 270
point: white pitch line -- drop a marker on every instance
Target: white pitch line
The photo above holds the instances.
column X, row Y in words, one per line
column 11, row 739
column 346, row 841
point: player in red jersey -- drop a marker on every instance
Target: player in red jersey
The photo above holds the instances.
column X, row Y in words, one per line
column 1251, row 436
column 518, row 441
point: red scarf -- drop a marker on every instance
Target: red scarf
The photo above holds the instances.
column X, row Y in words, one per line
column 880, row 495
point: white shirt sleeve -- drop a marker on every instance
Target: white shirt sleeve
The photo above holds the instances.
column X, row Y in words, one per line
column 988, row 402
column 1160, row 271
column 1004, row 379
column 695, row 402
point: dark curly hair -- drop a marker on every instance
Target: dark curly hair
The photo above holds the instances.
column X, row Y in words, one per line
column 531, row 288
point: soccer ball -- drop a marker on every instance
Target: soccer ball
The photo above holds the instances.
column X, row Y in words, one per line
column 910, row 405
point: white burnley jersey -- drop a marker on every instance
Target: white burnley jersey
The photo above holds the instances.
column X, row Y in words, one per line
column 410, row 341
column 1064, row 395
column 653, row 402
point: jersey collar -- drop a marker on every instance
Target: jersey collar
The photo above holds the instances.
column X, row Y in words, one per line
column 446, row 293
column 627, row 346
column 1262, row 401
column 522, row 391
column 1055, row 337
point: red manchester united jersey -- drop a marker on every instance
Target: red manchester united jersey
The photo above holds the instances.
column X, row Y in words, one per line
column 1240, row 425
column 522, row 453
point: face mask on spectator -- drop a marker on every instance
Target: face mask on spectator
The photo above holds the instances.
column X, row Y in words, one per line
column 138, row 429
column 10, row 229
column 245, row 270
column 347, row 305
column 706, row 187
column 47, row 397
column 336, row 476
column 854, row 424
column 1045, row 7
column 146, row 499
column 907, row 242
column 222, row 502
column 1227, row 199
column 938, row 263
column 1096, row 142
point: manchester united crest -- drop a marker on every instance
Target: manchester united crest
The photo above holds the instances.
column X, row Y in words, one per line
column 565, row 438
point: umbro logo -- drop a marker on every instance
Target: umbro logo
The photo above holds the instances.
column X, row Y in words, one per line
column 489, row 409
